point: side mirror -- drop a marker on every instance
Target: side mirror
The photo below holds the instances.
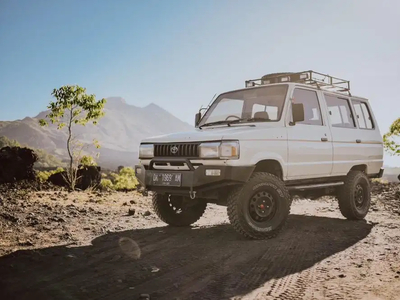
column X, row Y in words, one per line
column 197, row 119
column 297, row 112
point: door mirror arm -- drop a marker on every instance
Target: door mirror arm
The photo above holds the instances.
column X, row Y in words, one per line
column 197, row 119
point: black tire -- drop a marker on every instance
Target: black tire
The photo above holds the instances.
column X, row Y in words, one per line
column 174, row 211
column 245, row 206
column 354, row 196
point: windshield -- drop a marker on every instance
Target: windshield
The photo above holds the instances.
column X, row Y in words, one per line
column 262, row 104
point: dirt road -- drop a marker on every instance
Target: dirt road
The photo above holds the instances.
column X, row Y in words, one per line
column 99, row 252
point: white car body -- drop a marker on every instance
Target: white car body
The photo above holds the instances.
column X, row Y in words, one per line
column 303, row 151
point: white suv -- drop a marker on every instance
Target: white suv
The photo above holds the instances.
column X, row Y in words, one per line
column 255, row 148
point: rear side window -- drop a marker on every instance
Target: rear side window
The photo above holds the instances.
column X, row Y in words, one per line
column 312, row 111
column 339, row 112
column 363, row 115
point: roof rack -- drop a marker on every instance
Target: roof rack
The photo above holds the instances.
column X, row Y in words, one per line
column 321, row 81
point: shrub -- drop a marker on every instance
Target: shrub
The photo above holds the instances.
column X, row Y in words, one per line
column 44, row 175
column 125, row 180
column 87, row 160
column 107, row 184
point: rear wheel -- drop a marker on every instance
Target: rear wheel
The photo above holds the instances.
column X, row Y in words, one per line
column 178, row 210
column 259, row 209
column 355, row 196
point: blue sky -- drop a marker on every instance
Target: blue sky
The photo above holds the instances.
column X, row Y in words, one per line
column 179, row 53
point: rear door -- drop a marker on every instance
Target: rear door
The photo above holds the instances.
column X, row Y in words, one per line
column 368, row 137
column 309, row 142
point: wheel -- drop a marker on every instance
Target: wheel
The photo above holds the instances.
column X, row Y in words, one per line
column 355, row 196
column 259, row 209
column 178, row 210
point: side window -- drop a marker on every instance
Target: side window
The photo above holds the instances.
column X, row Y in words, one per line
column 339, row 112
column 367, row 116
column 363, row 115
column 312, row 111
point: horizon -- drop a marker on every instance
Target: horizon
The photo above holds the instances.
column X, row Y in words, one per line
column 178, row 54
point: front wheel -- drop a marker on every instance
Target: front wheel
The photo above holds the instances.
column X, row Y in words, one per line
column 178, row 210
column 259, row 209
column 355, row 196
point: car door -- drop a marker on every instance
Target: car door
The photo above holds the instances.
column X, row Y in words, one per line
column 368, row 139
column 309, row 142
column 346, row 151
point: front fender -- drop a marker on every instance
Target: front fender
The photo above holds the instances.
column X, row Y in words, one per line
column 270, row 156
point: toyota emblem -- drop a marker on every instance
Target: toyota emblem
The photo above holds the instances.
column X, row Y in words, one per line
column 174, row 149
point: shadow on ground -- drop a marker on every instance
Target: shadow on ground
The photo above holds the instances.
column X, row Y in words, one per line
column 175, row 263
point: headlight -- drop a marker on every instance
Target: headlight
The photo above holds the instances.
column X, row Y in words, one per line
column 229, row 149
column 209, row 150
column 222, row 150
column 146, row 151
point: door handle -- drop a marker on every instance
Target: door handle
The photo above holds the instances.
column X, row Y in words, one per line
column 324, row 139
column 358, row 141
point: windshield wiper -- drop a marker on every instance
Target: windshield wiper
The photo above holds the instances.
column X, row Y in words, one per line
column 216, row 123
column 227, row 122
column 256, row 120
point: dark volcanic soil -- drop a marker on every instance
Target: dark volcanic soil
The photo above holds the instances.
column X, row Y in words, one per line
column 59, row 245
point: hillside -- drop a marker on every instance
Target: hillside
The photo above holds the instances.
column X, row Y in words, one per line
column 119, row 131
column 45, row 160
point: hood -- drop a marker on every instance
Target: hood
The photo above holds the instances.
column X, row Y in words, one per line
column 241, row 132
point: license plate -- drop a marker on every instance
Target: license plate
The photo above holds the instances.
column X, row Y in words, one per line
column 167, row 179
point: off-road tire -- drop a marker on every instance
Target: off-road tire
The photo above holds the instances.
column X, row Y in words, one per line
column 165, row 211
column 348, row 200
column 238, row 206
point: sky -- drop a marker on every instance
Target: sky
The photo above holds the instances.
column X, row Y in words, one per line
column 178, row 54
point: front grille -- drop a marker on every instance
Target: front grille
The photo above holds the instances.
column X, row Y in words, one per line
column 177, row 150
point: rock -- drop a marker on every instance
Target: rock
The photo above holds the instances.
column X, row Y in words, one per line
column 88, row 176
column 9, row 217
column 125, row 204
column 57, row 219
column 342, row 276
column 131, row 212
column 144, row 297
column 132, row 202
column 16, row 164
column 147, row 213
column 26, row 243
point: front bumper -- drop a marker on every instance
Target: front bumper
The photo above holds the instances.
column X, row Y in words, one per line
column 194, row 178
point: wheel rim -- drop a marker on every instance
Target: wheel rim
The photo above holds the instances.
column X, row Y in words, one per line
column 176, row 204
column 262, row 206
column 359, row 196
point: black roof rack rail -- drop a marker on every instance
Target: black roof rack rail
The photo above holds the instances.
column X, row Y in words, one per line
column 319, row 80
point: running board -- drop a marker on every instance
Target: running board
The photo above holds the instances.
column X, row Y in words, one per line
column 314, row 186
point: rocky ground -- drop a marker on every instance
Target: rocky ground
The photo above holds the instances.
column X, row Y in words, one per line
column 60, row 245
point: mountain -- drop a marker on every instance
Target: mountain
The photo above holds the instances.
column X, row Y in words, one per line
column 119, row 131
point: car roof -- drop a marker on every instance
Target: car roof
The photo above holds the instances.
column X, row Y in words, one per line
column 300, row 85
